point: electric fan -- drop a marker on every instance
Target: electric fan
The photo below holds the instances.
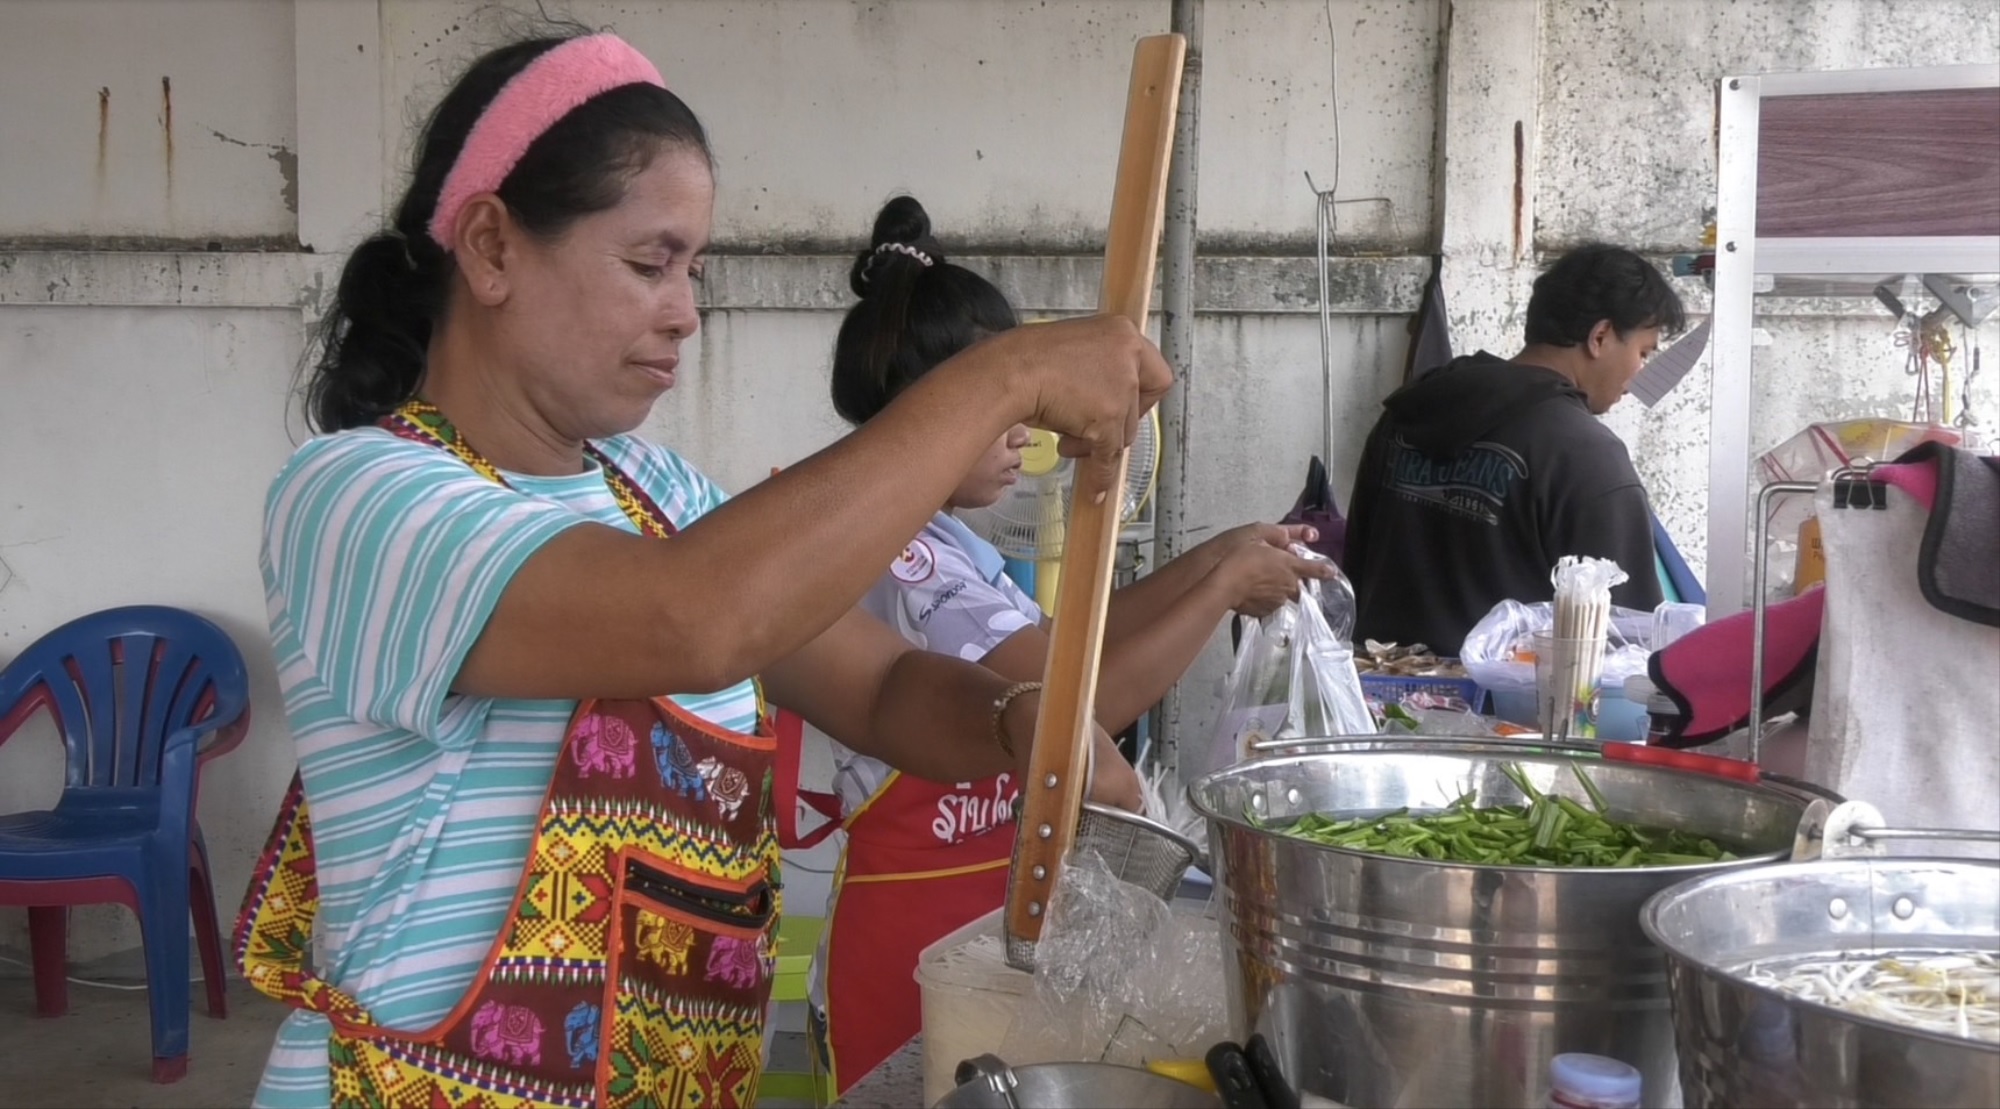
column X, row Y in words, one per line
column 1028, row 523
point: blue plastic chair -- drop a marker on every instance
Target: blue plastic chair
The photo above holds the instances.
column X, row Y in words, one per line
column 134, row 692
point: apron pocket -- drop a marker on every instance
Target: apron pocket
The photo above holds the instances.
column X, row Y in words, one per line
column 689, row 981
column 665, row 886
column 370, row 1072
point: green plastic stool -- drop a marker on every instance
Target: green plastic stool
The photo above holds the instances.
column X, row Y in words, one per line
column 798, row 939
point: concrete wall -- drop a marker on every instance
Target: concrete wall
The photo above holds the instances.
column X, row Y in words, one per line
column 291, row 121
column 125, row 120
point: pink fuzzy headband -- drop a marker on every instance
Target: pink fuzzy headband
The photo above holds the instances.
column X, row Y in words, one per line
column 532, row 101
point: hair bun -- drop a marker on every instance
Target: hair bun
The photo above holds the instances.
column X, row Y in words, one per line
column 902, row 236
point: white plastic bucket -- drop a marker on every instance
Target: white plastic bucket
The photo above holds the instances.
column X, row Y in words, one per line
column 969, row 998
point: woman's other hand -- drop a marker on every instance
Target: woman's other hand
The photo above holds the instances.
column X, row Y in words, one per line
column 1212, row 550
column 1259, row 576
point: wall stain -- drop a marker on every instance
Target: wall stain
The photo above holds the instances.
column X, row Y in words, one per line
column 167, row 129
column 103, row 133
column 149, row 244
column 1520, row 184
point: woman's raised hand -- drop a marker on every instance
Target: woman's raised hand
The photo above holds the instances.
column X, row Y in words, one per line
column 1089, row 380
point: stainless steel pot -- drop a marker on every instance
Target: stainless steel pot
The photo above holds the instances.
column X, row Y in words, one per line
column 1383, row 981
column 1742, row 1044
column 988, row 1083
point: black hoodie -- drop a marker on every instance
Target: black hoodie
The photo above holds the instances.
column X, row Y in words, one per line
column 1477, row 478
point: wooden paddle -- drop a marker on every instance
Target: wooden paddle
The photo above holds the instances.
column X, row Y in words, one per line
column 1052, row 797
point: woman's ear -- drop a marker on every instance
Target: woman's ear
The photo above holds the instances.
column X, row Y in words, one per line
column 480, row 243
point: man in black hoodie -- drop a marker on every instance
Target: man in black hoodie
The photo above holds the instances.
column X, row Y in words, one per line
column 1483, row 472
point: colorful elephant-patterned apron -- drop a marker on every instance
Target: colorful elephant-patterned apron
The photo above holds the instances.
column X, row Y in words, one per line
column 635, row 964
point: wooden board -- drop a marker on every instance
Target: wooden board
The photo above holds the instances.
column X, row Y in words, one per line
column 1924, row 162
column 1052, row 797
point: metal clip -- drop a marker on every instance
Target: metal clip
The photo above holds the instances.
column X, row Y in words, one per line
column 1856, row 487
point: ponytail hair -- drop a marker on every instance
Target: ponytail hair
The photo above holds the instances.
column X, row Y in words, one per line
column 916, row 310
column 373, row 341
column 395, row 287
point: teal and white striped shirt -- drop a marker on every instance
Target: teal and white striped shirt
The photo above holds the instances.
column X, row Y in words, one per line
column 383, row 560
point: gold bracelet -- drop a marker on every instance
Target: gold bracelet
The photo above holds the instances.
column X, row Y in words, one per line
column 1000, row 704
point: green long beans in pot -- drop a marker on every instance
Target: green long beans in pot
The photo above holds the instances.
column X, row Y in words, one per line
column 1547, row 831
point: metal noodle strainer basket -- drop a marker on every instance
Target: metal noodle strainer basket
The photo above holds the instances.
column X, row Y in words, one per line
column 1138, row 850
column 1144, row 852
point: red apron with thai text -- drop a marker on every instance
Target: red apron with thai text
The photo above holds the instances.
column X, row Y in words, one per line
column 922, row 860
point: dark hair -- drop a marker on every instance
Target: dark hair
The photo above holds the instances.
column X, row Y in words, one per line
column 1600, row 282
column 914, row 312
column 393, row 288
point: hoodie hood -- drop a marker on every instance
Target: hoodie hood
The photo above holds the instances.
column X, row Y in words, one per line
column 1450, row 408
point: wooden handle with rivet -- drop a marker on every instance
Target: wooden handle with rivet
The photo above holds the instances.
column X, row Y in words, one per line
column 1052, row 796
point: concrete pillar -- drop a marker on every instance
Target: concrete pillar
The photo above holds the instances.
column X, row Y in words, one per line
column 338, row 45
column 1491, row 76
column 1177, row 319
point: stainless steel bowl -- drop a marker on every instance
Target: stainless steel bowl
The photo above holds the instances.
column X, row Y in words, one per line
column 1742, row 1044
column 1383, row 981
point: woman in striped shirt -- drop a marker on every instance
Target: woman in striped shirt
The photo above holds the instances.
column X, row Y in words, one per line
column 529, row 851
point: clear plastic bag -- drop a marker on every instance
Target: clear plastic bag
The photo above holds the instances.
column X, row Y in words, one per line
column 1492, row 650
column 1294, row 676
column 1813, row 455
column 1335, row 595
column 1425, row 714
column 1119, row 977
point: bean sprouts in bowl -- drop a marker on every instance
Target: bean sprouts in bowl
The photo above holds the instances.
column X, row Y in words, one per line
column 1945, row 993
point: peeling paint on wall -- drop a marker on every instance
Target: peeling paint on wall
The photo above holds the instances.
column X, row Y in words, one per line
column 288, row 166
column 154, row 75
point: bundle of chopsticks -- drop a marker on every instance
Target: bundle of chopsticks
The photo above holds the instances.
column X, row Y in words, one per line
column 1582, row 623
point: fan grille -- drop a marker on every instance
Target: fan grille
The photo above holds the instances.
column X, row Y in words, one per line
column 1030, row 520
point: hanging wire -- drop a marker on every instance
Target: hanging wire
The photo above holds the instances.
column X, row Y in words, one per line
column 1327, row 204
column 1333, row 97
column 1322, row 258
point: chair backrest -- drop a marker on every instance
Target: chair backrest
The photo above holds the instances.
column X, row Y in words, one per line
column 120, row 682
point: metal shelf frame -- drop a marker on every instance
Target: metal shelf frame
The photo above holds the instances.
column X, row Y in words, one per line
column 1742, row 256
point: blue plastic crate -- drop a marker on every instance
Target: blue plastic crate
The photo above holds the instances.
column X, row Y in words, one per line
column 1390, row 689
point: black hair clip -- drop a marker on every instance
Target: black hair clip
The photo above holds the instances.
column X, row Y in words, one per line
column 1854, row 488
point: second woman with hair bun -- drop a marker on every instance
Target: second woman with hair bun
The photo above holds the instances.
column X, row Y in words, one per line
column 925, row 858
